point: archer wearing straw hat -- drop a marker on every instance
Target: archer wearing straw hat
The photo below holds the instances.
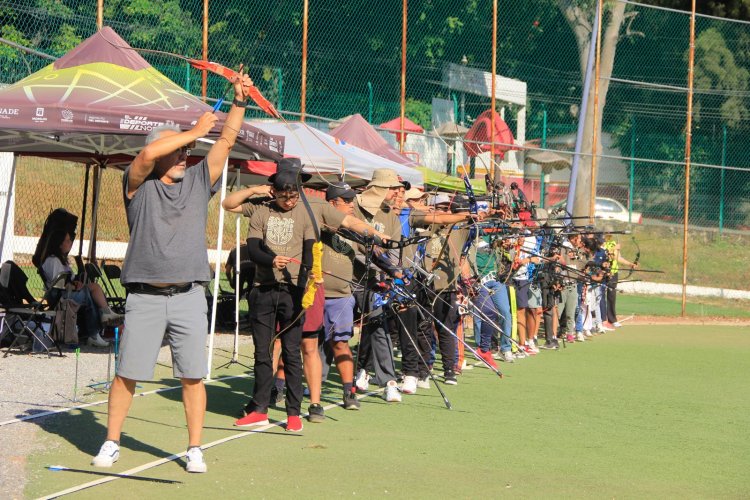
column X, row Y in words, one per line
column 375, row 349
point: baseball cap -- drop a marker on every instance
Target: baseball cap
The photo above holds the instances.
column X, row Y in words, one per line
column 339, row 190
column 440, row 199
column 414, row 194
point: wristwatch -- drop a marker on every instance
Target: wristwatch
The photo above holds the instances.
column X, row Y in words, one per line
column 239, row 104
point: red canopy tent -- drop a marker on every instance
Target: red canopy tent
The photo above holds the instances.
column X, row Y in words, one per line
column 394, row 126
column 480, row 133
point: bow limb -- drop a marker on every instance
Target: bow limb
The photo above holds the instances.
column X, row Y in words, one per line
column 228, row 73
column 636, row 260
column 317, row 270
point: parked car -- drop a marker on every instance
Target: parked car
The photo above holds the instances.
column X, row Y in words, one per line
column 607, row 208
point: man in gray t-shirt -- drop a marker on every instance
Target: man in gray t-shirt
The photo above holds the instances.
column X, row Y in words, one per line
column 165, row 267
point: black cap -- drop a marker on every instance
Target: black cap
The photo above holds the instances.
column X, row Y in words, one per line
column 293, row 165
column 339, row 190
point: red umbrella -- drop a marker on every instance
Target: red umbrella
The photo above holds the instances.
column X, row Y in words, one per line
column 394, row 126
column 480, row 132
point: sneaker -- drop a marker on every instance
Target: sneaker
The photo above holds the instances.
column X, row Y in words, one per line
column 520, row 354
column 529, row 351
column 351, row 402
column 252, row 418
column 96, row 340
column 109, row 453
column 580, row 337
column 605, row 327
column 316, row 414
column 410, row 385
column 551, row 345
column 194, row 459
column 111, row 318
column 570, row 338
column 607, row 324
column 533, row 347
column 588, row 333
column 363, row 380
column 391, row 393
column 450, row 378
column 293, row 423
column 508, row 357
column 487, row 356
column 617, row 324
column 424, row 382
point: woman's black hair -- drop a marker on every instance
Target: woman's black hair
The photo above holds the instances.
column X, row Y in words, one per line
column 54, row 242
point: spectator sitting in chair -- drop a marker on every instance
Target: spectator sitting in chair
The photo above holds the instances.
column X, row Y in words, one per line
column 90, row 297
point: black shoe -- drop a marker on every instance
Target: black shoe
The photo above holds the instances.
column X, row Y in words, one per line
column 248, row 408
column 277, row 397
column 351, row 402
column 450, row 378
column 316, row 414
column 553, row 345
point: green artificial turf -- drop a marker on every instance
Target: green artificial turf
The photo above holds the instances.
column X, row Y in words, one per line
column 645, row 412
column 656, row 305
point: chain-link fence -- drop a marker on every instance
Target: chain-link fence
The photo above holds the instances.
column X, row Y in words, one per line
column 354, row 66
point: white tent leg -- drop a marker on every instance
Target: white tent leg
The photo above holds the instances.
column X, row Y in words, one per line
column 217, row 272
column 236, row 351
column 8, row 214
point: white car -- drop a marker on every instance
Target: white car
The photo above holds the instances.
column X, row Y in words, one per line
column 607, row 208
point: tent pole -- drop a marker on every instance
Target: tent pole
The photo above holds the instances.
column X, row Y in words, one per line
column 94, row 210
column 404, row 26
column 217, row 270
column 83, row 208
column 8, row 196
column 237, row 219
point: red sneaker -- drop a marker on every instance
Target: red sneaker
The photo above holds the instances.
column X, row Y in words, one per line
column 487, row 356
column 293, row 423
column 252, row 418
column 528, row 350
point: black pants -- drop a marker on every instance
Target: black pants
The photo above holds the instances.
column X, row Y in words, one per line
column 446, row 312
column 612, row 298
column 270, row 305
column 408, row 327
column 548, row 308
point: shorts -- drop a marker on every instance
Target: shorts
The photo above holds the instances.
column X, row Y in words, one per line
column 535, row 297
column 314, row 314
column 522, row 293
column 339, row 318
column 148, row 318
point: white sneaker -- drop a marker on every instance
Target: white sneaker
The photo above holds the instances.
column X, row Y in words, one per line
column 617, row 324
column 391, row 393
column 410, row 385
column 424, row 383
column 532, row 346
column 588, row 333
column 520, row 354
column 580, row 337
column 194, row 459
column 508, row 357
column 109, row 453
column 97, row 341
column 363, row 380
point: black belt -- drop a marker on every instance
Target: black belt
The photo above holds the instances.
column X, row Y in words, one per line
column 147, row 289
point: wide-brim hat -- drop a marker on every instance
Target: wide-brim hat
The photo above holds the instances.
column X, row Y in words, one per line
column 414, row 194
column 385, row 177
column 290, row 165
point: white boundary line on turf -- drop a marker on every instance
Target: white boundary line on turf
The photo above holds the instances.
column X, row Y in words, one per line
column 171, row 458
column 97, row 403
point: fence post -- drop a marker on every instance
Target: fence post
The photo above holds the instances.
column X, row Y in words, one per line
column 632, row 171
column 369, row 102
column 279, row 101
column 723, row 172
column 544, row 146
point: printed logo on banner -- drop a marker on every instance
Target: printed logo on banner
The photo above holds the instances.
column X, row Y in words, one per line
column 96, row 119
column 138, row 123
column 7, row 113
column 39, row 118
column 67, row 116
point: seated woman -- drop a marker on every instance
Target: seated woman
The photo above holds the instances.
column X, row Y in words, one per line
column 90, row 297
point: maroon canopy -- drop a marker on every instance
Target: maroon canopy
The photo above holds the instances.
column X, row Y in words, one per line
column 99, row 101
column 480, row 132
column 357, row 132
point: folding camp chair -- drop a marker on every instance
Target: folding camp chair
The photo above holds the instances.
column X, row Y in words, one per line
column 95, row 275
column 111, row 279
column 28, row 320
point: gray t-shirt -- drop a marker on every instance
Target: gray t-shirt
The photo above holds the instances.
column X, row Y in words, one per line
column 168, row 229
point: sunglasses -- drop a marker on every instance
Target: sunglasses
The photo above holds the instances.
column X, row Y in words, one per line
column 186, row 150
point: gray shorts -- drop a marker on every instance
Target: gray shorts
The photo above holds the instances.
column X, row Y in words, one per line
column 338, row 318
column 148, row 318
column 535, row 296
